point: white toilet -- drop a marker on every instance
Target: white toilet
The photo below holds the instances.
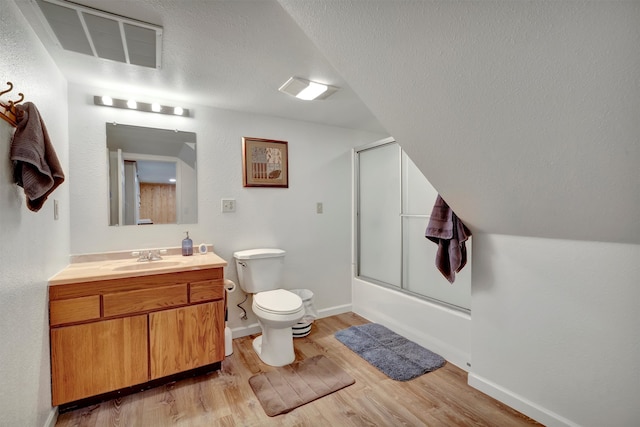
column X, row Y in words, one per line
column 260, row 272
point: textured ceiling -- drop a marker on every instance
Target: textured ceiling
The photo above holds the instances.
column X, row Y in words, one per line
column 525, row 116
column 226, row 54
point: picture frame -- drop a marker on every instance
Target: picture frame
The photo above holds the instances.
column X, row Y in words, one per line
column 265, row 163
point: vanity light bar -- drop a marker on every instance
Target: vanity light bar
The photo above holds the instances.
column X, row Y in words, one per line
column 131, row 104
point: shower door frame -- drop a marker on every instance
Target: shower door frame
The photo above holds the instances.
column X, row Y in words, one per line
column 401, row 218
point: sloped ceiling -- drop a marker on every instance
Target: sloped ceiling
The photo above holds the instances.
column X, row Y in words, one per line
column 225, row 54
column 525, row 116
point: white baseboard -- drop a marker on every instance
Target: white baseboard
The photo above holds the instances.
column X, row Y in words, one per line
column 332, row 311
column 254, row 328
column 519, row 403
column 52, row 418
column 243, row 331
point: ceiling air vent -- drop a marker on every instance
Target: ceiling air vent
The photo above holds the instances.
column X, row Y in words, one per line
column 103, row 35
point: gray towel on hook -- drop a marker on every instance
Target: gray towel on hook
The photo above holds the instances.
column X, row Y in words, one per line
column 35, row 165
column 450, row 234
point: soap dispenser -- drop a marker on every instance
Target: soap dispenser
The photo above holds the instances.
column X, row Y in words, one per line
column 187, row 246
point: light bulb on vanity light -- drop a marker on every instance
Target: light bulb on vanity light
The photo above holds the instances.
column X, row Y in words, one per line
column 132, row 104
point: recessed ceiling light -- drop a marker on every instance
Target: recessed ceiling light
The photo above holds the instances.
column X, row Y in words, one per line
column 312, row 91
column 307, row 90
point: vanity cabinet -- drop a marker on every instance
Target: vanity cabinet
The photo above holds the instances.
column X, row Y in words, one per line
column 180, row 339
column 107, row 335
column 95, row 358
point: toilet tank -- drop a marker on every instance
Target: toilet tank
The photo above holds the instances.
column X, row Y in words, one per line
column 260, row 269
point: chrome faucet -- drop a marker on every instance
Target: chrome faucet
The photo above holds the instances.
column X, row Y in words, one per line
column 149, row 256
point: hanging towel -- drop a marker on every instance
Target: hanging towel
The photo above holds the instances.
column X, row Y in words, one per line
column 35, row 165
column 450, row 234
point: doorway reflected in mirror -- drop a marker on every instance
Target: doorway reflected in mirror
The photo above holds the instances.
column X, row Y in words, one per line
column 152, row 176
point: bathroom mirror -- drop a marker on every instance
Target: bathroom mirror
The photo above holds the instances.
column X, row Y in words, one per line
column 152, row 176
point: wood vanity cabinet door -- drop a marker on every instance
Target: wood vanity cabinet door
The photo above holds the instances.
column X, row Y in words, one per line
column 185, row 338
column 98, row 357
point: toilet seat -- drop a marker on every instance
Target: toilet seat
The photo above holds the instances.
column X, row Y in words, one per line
column 278, row 301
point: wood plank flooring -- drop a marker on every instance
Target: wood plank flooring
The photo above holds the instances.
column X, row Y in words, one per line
column 224, row 398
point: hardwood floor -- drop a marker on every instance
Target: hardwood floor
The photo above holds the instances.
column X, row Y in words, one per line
column 224, row 398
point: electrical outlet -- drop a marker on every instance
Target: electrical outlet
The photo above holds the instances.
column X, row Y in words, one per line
column 228, row 205
column 319, row 207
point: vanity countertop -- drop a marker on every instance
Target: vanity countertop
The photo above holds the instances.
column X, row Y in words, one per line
column 121, row 268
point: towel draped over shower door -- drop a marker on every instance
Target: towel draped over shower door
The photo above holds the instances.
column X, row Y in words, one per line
column 450, row 234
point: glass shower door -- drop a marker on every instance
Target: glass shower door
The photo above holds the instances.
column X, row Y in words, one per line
column 394, row 202
column 419, row 273
column 380, row 241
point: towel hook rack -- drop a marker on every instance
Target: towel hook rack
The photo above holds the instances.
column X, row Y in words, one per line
column 9, row 112
column 12, row 103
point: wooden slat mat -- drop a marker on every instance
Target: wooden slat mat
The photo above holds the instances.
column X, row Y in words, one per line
column 286, row 388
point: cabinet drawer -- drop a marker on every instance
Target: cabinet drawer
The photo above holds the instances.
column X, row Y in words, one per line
column 207, row 290
column 144, row 300
column 74, row 310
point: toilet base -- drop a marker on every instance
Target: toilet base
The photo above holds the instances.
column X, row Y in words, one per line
column 275, row 347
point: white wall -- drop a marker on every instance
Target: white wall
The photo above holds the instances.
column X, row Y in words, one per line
column 318, row 245
column 555, row 330
column 34, row 246
column 524, row 116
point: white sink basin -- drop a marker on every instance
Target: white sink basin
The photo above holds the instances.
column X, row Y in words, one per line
column 146, row 265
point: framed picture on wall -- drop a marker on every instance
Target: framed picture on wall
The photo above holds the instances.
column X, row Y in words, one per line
column 265, row 163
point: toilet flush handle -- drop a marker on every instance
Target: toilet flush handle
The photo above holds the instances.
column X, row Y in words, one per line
column 242, row 263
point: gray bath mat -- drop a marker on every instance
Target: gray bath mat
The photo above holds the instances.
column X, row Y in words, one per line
column 394, row 355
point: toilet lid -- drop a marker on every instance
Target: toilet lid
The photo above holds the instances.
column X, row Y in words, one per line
column 278, row 301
